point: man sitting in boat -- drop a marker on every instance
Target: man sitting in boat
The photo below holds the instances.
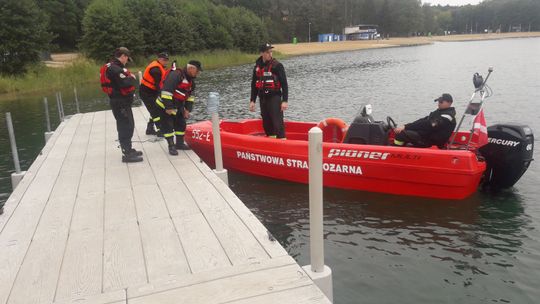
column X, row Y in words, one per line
column 434, row 129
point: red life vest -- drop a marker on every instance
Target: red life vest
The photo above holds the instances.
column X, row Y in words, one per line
column 148, row 80
column 184, row 87
column 106, row 84
column 266, row 79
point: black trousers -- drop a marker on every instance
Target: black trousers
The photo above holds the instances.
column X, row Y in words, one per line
column 173, row 124
column 411, row 137
column 149, row 100
column 121, row 109
column 272, row 115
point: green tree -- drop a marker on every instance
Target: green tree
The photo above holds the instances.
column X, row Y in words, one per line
column 164, row 26
column 108, row 24
column 65, row 28
column 23, row 32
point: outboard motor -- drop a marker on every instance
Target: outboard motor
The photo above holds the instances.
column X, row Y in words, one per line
column 508, row 154
column 365, row 130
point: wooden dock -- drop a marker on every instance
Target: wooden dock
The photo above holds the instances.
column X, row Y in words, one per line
column 84, row 227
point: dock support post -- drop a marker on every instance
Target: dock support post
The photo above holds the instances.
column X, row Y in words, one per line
column 60, row 107
column 48, row 134
column 18, row 175
column 213, row 106
column 76, row 100
column 317, row 271
column 140, row 77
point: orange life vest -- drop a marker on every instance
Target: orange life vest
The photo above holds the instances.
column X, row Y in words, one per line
column 148, row 80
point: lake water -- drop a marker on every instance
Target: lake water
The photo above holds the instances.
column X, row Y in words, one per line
column 381, row 248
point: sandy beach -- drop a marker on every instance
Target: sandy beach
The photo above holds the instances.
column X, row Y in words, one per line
column 290, row 49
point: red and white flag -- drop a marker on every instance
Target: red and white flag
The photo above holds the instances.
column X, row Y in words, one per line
column 480, row 128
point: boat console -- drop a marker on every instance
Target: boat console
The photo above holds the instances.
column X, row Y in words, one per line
column 366, row 131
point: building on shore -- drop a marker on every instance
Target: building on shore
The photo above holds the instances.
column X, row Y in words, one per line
column 361, row 32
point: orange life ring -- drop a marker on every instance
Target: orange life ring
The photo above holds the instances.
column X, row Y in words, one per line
column 334, row 122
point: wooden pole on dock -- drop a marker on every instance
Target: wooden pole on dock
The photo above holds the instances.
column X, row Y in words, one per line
column 48, row 134
column 317, row 271
column 213, row 108
column 18, row 175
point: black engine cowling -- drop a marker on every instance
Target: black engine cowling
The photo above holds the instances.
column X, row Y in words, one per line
column 508, row 154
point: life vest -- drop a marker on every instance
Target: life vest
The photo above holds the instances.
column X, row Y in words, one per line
column 266, row 79
column 148, row 80
column 106, row 84
column 184, row 87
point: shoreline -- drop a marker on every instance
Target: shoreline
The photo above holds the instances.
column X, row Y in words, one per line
column 305, row 48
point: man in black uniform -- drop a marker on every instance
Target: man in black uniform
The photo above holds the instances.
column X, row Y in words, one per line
column 434, row 129
column 269, row 82
column 119, row 83
column 149, row 90
column 176, row 103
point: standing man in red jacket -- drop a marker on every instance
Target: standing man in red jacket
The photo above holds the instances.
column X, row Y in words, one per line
column 118, row 82
column 269, row 82
column 149, row 90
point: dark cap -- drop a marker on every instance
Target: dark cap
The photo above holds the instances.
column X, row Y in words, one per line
column 163, row 55
column 196, row 63
column 446, row 97
column 265, row 47
column 122, row 51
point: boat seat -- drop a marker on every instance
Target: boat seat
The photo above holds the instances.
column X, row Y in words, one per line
column 367, row 134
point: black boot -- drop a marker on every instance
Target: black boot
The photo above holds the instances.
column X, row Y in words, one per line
column 150, row 128
column 172, row 149
column 136, row 152
column 131, row 157
column 180, row 145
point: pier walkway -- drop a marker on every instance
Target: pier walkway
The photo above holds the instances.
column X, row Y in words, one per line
column 84, row 227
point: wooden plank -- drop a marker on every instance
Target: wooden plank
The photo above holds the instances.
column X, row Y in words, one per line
column 17, row 194
column 202, row 248
column 123, row 261
column 177, row 197
column 149, row 202
column 164, row 254
column 310, row 294
column 17, row 233
column 272, row 247
column 197, row 184
column 50, row 237
column 81, row 273
column 238, row 242
column 119, row 208
column 93, row 175
column 231, row 288
column 113, row 297
column 211, row 275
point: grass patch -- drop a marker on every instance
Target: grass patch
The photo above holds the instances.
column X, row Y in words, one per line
column 40, row 78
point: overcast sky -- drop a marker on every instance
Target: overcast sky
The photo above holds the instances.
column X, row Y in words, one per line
column 451, row 2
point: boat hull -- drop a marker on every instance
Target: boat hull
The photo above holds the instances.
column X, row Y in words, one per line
column 434, row 173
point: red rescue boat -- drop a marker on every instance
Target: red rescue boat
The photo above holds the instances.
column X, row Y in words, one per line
column 359, row 156
column 432, row 172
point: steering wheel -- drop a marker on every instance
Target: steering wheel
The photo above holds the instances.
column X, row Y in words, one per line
column 391, row 123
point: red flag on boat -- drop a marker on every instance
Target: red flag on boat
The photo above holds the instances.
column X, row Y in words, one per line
column 480, row 128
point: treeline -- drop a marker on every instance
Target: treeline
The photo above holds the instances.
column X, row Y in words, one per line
column 95, row 27
column 288, row 19
column 177, row 26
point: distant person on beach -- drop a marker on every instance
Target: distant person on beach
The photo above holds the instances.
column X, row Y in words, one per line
column 176, row 103
column 434, row 129
column 149, row 90
column 269, row 83
column 118, row 82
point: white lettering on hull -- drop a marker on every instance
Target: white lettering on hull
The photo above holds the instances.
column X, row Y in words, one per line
column 297, row 163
